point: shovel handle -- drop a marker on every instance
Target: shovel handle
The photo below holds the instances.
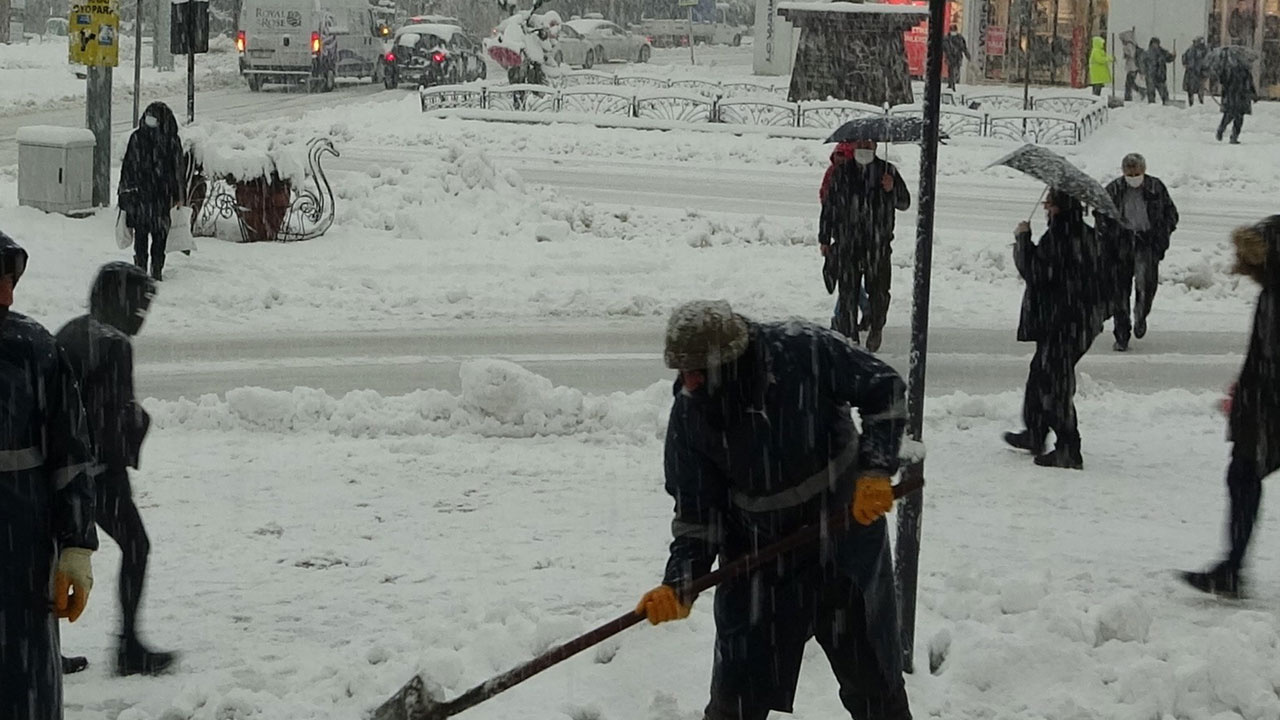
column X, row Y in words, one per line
column 478, row 694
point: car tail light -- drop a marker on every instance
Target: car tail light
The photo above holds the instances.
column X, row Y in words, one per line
column 315, row 43
column 391, row 57
column 437, row 57
column 240, row 41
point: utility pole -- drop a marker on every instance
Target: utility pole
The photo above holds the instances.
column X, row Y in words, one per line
column 137, row 61
column 161, row 55
column 910, row 510
column 98, row 120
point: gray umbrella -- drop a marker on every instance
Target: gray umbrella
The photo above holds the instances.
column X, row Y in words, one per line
column 1058, row 173
column 1220, row 59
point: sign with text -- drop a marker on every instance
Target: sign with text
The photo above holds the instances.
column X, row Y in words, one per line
column 995, row 40
column 93, row 34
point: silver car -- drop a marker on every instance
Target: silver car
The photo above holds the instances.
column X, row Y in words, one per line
column 588, row 42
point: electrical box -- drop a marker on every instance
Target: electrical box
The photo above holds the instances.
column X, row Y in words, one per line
column 55, row 168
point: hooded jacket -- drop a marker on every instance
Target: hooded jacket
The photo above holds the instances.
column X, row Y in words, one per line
column 100, row 351
column 151, row 172
column 1155, row 62
column 1255, row 409
column 858, row 214
column 1100, row 63
column 1195, row 62
column 46, row 504
column 842, row 154
column 1069, row 289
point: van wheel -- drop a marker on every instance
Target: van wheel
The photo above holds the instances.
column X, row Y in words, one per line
column 589, row 60
column 389, row 79
column 644, row 53
column 601, row 57
column 255, row 83
column 330, row 81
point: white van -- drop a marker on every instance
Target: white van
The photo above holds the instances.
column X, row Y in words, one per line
column 311, row 41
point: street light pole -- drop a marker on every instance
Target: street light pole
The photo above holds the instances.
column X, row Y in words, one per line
column 907, row 562
column 137, row 61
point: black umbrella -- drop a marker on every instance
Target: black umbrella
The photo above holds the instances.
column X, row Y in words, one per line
column 881, row 128
column 1058, row 173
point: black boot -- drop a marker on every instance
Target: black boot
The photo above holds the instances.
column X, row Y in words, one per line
column 873, row 340
column 72, row 665
column 156, row 270
column 1062, row 456
column 1221, row 581
column 1140, row 328
column 133, row 658
column 1024, row 441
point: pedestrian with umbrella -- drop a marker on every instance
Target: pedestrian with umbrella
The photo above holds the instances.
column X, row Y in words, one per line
column 1253, row 408
column 1233, row 66
column 858, row 220
column 1070, row 289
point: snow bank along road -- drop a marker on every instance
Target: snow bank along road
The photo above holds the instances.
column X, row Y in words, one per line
column 624, row 357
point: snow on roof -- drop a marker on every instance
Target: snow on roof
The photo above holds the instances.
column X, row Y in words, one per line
column 848, row 7
column 51, row 135
column 444, row 32
column 586, row 26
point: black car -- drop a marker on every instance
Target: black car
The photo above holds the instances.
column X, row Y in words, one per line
column 428, row 54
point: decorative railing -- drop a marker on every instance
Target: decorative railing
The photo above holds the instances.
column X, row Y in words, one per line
column 1055, row 120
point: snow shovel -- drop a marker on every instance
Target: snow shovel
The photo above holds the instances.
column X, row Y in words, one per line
column 420, row 699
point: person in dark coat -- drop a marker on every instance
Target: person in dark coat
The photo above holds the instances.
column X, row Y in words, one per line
column 1062, row 311
column 100, row 351
column 857, row 223
column 1253, row 409
column 1195, row 71
column 46, row 506
column 151, row 184
column 761, row 442
column 957, row 51
column 1150, row 218
column 1238, row 94
column 1154, row 62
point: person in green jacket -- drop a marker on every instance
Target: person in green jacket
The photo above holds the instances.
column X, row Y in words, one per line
column 1099, row 65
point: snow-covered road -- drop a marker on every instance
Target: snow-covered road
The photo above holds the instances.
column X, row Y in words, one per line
column 605, row 359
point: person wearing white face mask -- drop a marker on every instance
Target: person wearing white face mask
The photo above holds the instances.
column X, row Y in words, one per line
column 858, row 219
column 1150, row 218
column 151, row 184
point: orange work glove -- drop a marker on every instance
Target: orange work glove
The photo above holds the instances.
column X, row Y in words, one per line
column 661, row 605
column 872, row 498
column 72, row 582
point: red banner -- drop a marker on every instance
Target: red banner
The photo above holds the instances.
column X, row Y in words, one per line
column 917, row 38
column 1077, row 58
column 995, row 41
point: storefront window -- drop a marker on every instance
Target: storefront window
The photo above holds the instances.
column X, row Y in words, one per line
column 1055, row 44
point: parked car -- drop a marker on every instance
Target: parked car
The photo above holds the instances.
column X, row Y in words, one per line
column 573, row 49
column 607, row 42
column 432, row 54
column 724, row 29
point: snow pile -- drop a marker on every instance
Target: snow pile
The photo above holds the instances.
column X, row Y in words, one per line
column 225, row 150
column 498, row 399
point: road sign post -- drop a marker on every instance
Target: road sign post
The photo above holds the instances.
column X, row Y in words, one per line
column 93, row 38
column 690, row 4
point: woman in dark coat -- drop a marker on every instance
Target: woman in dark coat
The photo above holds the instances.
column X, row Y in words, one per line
column 1254, row 407
column 151, row 183
column 1062, row 312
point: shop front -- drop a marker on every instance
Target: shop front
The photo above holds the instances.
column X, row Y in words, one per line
column 1050, row 38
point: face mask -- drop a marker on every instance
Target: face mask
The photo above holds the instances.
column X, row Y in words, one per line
column 863, row 156
column 1135, row 181
column 150, row 121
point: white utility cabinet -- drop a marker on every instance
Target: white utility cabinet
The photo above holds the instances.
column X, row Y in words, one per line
column 55, row 168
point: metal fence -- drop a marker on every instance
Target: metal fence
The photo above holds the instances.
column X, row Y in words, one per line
column 1053, row 120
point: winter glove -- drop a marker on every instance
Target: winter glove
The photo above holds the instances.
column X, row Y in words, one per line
column 71, row 583
column 1229, row 400
column 661, row 605
column 872, row 498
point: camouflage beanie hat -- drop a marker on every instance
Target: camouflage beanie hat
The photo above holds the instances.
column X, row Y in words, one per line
column 704, row 334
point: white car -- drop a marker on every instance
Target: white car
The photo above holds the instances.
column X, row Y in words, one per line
column 588, row 42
